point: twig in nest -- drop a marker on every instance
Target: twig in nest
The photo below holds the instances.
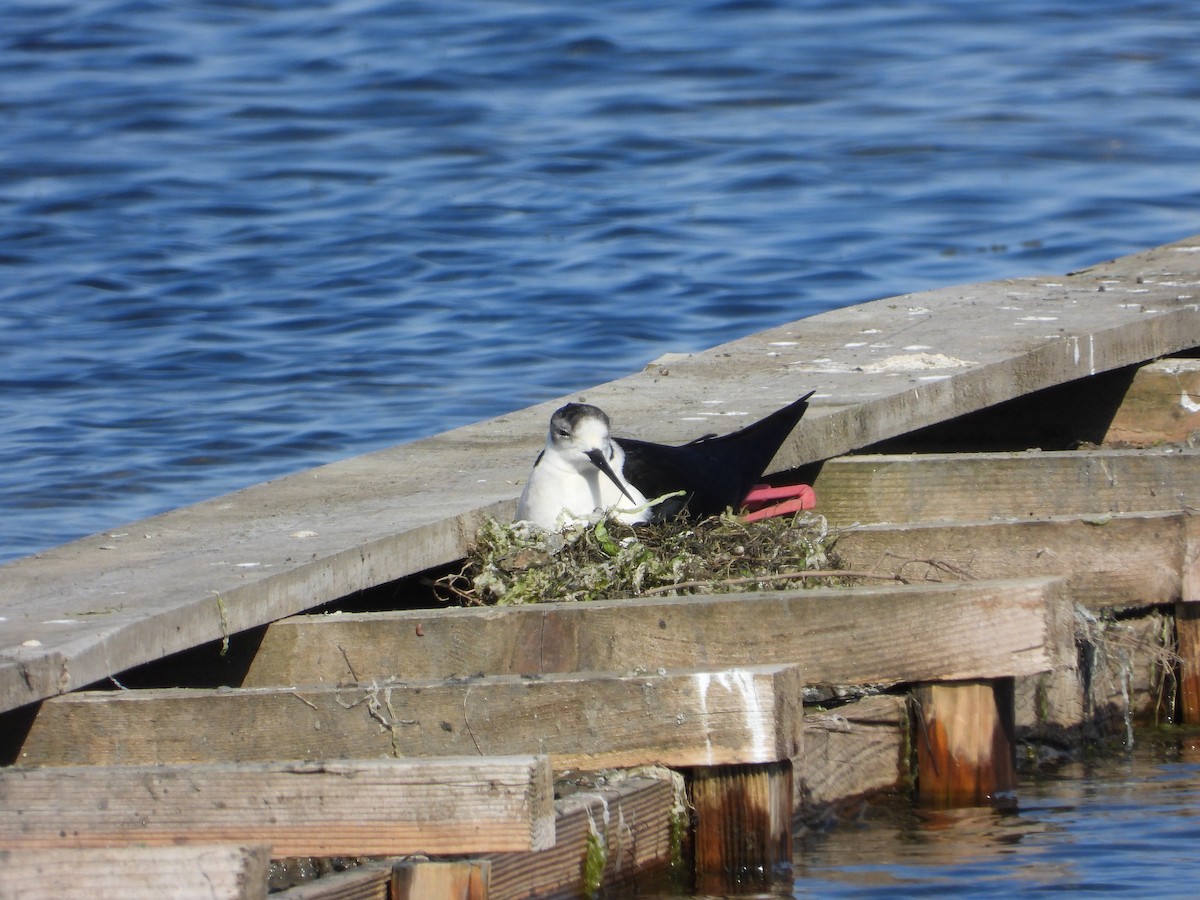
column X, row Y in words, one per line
column 467, row 722
column 304, row 700
column 451, row 583
column 349, row 665
column 939, row 565
column 784, row 576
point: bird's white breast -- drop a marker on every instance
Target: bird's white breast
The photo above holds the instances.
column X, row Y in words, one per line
column 558, row 487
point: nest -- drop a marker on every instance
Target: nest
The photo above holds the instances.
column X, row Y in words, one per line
column 605, row 559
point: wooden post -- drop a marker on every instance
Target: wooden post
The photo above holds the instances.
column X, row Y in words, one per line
column 743, row 832
column 1187, row 632
column 428, row 880
column 964, row 743
column 1187, row 624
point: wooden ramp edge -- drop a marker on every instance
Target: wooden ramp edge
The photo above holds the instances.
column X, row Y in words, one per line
column 78, row 613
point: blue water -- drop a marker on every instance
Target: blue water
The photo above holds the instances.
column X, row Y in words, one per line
column 242, row 238
column 1123, row 825
column 1117, row 827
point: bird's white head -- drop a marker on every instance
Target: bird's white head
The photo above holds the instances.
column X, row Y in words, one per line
column 579, row 436
column 578, row 429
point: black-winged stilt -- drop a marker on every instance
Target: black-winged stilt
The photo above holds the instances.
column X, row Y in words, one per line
column 583, row 468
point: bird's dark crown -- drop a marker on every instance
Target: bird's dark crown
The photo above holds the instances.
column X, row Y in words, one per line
column 572, row 414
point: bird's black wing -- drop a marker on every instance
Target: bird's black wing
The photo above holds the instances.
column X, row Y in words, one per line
column 657, row 469
column 716, row 472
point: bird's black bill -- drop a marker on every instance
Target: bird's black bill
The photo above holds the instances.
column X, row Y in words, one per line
column 601, row 463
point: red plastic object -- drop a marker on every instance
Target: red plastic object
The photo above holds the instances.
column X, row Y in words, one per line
column 766, row 502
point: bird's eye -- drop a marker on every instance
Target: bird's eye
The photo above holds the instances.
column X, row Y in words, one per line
column 562, row 432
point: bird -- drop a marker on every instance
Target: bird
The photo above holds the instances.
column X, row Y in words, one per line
column 583, row 468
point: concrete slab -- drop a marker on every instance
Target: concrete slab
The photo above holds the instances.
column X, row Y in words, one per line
column 80, row 612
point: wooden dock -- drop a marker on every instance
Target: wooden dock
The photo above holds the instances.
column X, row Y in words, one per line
column 1020, row 465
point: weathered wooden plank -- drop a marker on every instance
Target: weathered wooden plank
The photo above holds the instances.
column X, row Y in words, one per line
column 1123, row 666
column 585, row 721
column 851, row 751
column 1162, row 405
column 869, row 634
column 361, row 807
column 1189, row 588
column 611, row 829
column 103, row 604
column 370, row 881
column 233, row 872
column 1122, row 673
column 609, row 832
column 979, row 486
column 1119, row 560
column 70, row 617
column 1054, row 707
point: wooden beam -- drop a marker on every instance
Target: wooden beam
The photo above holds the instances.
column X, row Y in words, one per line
column 609, row 832
column 613, row 828
column 217, row 871
column 1161, row 406
column 1189, row 588
column 869, row 634
column 965, row 744
column 851, row 751
column 1119, row 560
column 354, row 808
column 973, row 487
column 370, row 881
column 586, row 721
column 1055, row 707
